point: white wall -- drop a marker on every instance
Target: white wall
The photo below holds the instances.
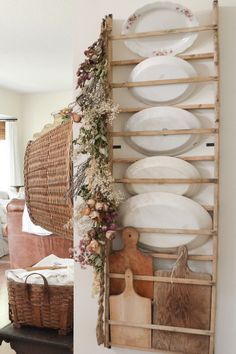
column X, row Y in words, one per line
column 88, row 17
column 37, row 109
column 32, row 110
column 11, row 103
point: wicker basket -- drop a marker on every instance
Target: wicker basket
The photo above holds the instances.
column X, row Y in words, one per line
column 44, row 306
column 48, row 175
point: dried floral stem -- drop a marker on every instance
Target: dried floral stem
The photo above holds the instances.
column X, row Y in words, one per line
column 93, row 181
column 79, row 178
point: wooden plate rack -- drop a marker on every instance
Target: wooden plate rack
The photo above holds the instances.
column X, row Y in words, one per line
column 214, row 209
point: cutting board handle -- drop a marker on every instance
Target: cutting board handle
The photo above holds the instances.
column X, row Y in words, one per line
column 129, row 285
column 130, row 237
column 181, row 265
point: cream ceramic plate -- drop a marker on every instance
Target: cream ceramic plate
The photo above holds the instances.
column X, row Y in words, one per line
column 162, row 118
column 162, row 167
column 162, row 68
column 165, row 210
column 156, row 17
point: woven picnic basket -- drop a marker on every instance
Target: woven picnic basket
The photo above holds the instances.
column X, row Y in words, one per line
column 44, row 306
column 48, row 176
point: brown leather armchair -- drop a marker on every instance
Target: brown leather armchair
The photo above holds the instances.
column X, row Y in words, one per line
column 26, row 249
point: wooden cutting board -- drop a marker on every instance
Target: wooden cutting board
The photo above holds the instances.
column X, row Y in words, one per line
column 131, row 257
column 182, row 305
column 129, row 307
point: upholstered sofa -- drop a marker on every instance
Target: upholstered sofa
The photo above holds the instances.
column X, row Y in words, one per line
column 26, row 249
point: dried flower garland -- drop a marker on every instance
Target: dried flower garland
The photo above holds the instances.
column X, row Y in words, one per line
column 95, row 216
column 67, row 113
column 100, row 200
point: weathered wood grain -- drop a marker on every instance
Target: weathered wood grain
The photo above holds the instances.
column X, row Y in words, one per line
column 129, row 306
column 182, row 306
column 131, row 257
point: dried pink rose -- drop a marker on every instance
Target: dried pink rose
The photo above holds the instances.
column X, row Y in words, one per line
column 87, row 238
column 86, row 211
column 91, row 233
column 105, row 207
column 99, row 206
column 93, row 247
column 113, row 226
column 91, row 203
column 110, row 234
column 94, row 215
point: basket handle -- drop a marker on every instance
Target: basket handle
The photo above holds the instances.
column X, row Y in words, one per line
column 45, row 288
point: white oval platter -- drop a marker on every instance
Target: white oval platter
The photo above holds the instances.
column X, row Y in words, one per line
column 159, row 16
column 165, row 210
column 162, row 118
column 162, row 167
column 162, row 68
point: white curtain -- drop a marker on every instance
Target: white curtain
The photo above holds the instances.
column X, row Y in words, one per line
column 14, row 165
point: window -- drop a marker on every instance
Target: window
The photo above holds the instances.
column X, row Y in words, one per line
column 4, row 163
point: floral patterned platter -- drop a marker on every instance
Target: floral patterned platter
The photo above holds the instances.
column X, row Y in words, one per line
column 156, row 17
column 162, row 68
column 165, row 210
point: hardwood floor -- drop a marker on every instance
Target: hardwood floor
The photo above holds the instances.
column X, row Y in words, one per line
column 4, row 265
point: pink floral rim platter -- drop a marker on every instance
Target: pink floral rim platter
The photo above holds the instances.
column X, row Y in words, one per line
column 156, row 17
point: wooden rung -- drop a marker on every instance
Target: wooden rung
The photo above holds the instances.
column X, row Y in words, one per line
column 185, row 158
column 163, row 32
column 174, row 256
column 143, row 349
column 166, row 180
column 201, row 232
column 200, row 56
column 197, row 158
column 164, row 132
column 209, row 208
column 165, row 279
column 187, row 80
column 182, row 106
column 201, row 332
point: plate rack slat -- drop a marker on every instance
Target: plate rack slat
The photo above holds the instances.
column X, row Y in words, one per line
column 187, row 107
column 195, row 257
column 200, row 56
column 185, row 158
column 215, row 158
column 198, row 79
column 163, row 33
column 166, row 180
column 165, row 132
column 200, row 232
column 165, row 279
column 163, row 328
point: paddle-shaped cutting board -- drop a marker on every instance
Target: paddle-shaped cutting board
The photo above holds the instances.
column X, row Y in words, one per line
column 182, row 305
column 131, row 257
column 129, row 307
